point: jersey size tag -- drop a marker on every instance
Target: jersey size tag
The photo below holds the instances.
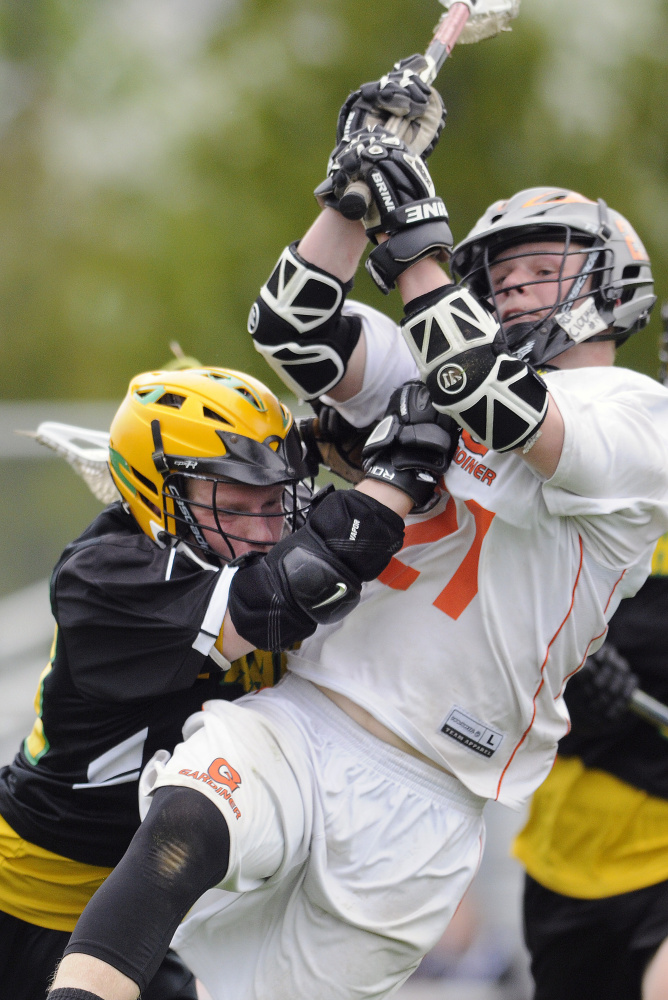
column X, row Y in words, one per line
column 473, row 734
column 583, row 322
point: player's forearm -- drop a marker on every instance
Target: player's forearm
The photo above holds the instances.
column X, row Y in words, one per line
column 335, row 244
column 425, row 276
column 233, row 644
column 544, row 454
column 390, row 496
column 84, row 972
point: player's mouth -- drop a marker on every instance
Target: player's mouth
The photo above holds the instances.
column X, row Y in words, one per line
column 508, row 316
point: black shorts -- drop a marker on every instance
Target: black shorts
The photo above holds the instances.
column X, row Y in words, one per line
column 29, row 955
column 592, row 949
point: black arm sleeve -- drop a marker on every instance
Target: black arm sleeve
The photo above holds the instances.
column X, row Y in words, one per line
column 179, row 851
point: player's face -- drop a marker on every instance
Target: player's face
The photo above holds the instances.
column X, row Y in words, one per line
column 251, row 516
column 528, row 280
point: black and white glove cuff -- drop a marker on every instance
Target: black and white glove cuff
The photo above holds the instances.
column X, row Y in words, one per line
column 403, row 249
column 497, row 398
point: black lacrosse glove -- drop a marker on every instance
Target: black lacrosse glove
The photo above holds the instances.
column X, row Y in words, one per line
column 400, row 94
column 400, row 103
column 404, row 203
column 600, row 692
column 330, row 440
column 412, row 446
column 315, row 575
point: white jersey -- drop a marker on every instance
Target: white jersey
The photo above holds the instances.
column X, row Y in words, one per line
column 463, row 645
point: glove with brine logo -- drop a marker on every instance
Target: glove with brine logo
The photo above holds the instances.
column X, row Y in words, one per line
column 404, row 204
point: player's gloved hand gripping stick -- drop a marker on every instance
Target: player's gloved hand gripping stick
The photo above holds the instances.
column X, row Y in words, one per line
column 405, row 205
column 417, row 116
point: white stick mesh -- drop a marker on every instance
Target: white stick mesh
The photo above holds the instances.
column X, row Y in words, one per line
column 87, row 451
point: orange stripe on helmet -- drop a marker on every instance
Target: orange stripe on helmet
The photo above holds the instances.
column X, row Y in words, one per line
column 548, row 199
column 632, row 240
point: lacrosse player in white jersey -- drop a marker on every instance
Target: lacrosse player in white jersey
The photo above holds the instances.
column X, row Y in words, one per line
column 336, row 818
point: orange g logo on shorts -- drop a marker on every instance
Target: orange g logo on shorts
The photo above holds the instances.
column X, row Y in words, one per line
column 223, row 772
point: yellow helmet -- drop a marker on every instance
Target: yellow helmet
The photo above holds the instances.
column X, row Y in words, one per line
column 201, row 423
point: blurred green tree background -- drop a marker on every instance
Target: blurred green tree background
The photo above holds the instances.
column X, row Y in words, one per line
column 156, row 155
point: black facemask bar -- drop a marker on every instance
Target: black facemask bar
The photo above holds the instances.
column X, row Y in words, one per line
column 593, row 266
column 296, row 501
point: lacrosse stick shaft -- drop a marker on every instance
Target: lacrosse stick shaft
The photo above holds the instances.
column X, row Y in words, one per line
column 448, row 30
column 649, row 709
column 357, row 197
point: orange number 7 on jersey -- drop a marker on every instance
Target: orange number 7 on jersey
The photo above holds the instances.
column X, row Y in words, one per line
column 463, row 585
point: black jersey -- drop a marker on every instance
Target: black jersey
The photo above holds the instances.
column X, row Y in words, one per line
column 633, row 750
column 127, row 668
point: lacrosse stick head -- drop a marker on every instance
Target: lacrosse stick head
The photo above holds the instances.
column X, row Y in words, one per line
column 486, row 18
column 205, row 424
column 87, row 451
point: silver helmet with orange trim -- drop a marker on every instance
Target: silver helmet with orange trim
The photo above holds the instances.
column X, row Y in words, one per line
column 211, row 424
column 608, row 294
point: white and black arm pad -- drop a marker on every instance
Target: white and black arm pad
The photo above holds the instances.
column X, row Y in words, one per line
column 455, row 341
column 315, row 575
column 297, row 325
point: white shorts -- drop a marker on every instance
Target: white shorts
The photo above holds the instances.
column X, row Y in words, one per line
column 348, row 856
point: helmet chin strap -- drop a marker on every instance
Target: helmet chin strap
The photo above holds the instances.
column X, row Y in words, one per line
column 580, row 280
column 598, row 245
column 162, row 466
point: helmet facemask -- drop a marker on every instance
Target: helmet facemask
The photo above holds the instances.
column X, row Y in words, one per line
column 194, row 520
column 608, row 297
column 246, row 463
column 538, row 339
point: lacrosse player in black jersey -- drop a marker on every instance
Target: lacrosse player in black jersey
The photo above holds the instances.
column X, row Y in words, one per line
column 595, row 846
column 156, row 605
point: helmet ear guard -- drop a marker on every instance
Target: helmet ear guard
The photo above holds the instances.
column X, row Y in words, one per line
column 622, row 296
